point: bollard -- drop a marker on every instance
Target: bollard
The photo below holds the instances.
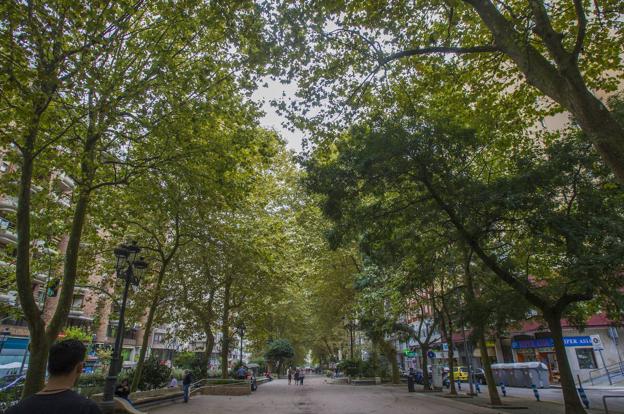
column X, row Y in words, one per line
column 503, row 390
column 535, row 392
column 410, row 383
column 459, row 385
column 478, row 388
column 583, row 396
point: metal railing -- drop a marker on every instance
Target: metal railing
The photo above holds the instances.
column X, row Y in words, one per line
column 610, row 371
column 604, row 401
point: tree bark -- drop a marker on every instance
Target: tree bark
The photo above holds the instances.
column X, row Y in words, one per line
column 390, row 354
column 568, row 387
column 147, row 330
column 209, row 346
column 487, row 368
column 447, row 331
column 225, row 328
column 480, row 331
column 425, row 366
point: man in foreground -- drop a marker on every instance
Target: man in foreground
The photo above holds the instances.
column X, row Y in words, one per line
column 65, row 364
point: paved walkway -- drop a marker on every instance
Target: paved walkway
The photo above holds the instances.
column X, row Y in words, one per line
column 318, row 397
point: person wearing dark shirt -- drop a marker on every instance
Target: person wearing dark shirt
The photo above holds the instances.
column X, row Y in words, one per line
column 186, row 385
column 65, row 364
column 123, row 390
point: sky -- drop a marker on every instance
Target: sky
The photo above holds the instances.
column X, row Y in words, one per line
column 271, row 119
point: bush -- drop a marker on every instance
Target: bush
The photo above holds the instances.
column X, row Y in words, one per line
column 350, row 367
column 184, row 360
column 154, row 375
column 89, row 384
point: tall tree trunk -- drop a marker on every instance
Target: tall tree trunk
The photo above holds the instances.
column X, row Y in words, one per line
column 225, row 329
column 390, row 354
column 209, row 346
column 424, row 348
column 447, row 330
column 480, row 332
column 570, row 396
column 487, row 368
column 138, row 371
column 40, row 344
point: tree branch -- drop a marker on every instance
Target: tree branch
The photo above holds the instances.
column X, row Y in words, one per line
column 582, row 28
column 440, row 49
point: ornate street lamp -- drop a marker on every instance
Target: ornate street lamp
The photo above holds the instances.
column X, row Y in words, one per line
column 241, row 333
column 130, row 269
column 349, row 327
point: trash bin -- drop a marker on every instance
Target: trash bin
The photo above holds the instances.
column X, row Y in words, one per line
column 410, row 383
column 521, row 374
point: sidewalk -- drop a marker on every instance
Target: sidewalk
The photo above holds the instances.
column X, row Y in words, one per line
column 523, row 403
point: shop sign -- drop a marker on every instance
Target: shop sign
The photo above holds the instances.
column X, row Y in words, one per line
column 409, row 353
column 549, row 343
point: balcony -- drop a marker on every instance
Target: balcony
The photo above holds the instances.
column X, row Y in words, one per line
column 9, row 298
column 40, row 245
column 8, row 203
column 40, row 278
column 66, row 182
column 7, row 232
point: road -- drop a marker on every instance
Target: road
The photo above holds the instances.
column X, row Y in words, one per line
column 318, row 397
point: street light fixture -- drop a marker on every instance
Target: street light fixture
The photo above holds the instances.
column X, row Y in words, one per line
column 350, row 327
column 131, row 270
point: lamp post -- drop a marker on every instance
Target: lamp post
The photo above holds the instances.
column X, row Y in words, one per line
column 350, row 327
column 241, row 333
column 130, row 269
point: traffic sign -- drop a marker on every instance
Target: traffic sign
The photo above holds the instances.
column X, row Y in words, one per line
column 596, row 343
column 431, row 354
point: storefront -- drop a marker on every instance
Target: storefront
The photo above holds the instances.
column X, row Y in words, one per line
column 579, row 349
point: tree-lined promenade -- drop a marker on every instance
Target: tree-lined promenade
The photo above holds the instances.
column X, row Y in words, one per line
column 462, row 172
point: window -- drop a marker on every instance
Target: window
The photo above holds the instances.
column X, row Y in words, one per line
column 111, row 332
column 77, row 302
column 159, row 338
column 586, row 358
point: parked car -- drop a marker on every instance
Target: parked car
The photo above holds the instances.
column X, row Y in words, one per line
column 460, row 373
column 479, row 376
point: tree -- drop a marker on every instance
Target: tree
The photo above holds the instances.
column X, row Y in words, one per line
column 546, row 199
column 278, row 352
column 492, row 47
column 87, row 87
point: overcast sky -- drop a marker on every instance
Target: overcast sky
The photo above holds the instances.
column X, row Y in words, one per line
column 275, row 90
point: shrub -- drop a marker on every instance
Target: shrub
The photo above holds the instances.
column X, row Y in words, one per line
column 154, row 375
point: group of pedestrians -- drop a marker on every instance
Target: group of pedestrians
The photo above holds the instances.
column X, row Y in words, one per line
column 298, row 374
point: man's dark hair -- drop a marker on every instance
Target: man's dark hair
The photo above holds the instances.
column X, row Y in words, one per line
column 65, row 355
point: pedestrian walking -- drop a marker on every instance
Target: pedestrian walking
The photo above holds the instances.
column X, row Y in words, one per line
column 289, row 372
column 297, row 377
column 186, row 385
column 65, row 364
column 301, row 377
